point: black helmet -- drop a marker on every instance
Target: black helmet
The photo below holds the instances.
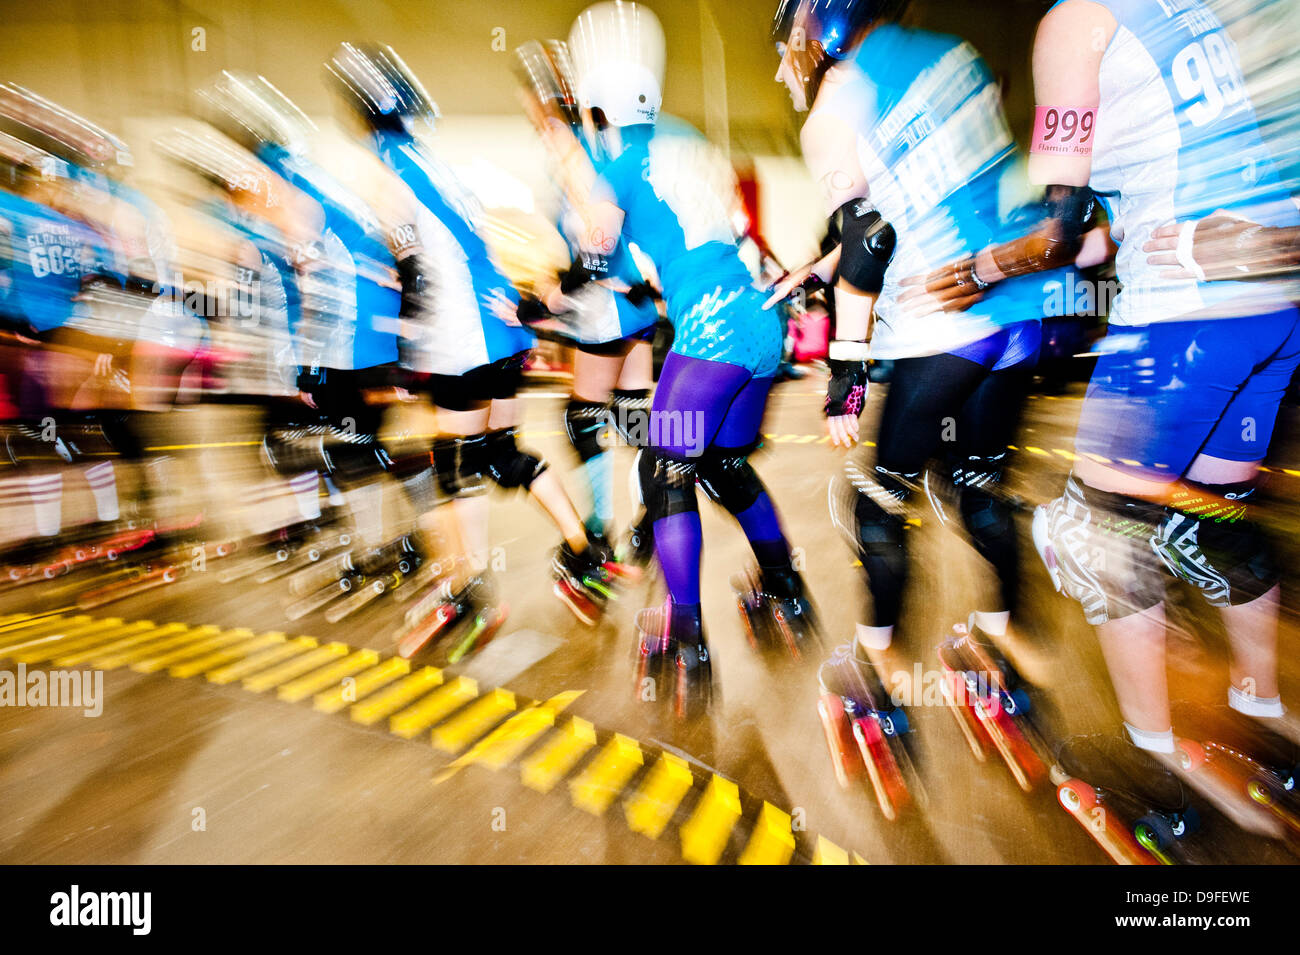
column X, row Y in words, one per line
column 380, row 87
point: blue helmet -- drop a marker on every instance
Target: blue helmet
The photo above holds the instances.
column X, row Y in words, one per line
column 811, row 34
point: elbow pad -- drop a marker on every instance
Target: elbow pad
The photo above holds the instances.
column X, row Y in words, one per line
column 1068, row 210
column 867, row 245
column 410, row 271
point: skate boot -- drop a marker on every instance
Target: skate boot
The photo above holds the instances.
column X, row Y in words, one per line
column 1262, row 762
column 1131, row 804
column 865, row 731
column 615, row 568
column 673, row 660
column 582, row 582
column 776, row 612
column 991, row 704
column 470, row 615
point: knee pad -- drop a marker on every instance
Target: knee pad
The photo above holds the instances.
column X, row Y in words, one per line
column 669, row 487
column 354, row 459
column 459, row 463
column 509, row 466
column 1222, row 553
column 583, row 422
column 1098, row 549
column 291, row 451
column 629, row 412
column 729, row 479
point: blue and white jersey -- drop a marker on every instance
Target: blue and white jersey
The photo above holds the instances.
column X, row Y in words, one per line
column 264, row 308
column 598, row 313
column 933, row 145
column 677, row 193
column 43, row 257
column 460, row 329
column 1177, row 139
column 350, row 297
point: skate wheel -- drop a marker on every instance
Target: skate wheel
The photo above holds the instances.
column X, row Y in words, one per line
column 1191, row 754
column 345, row 539
column 895, row 723
column 1076, row 796
column 345, row 584
column 111, row 553
column 1019, row 702
column 1154, row 832
column 168, row 576
column 313, row 555
column 281, row 555
column 1259, row 792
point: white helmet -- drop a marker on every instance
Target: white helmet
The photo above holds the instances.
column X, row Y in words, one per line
column 618, row 59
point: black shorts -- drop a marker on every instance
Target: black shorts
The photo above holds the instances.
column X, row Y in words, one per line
column 478, row 386
column 339, row 396
column 619, row 346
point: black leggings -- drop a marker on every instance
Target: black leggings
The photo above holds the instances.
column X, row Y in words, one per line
column 953, row 409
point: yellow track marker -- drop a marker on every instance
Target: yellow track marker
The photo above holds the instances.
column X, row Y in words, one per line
column 828, row 853
column 395, row 697
column 154, row 647
column 92, row 634
column 705, row 834
column 1033, row 450
column 651, row 807
column 1068, row 455
column 434, row 708
column 217, row 658
column 552, row 762
column 233, row 672
column 305, row 686
column 331, row 701
column 772, row 841
column 858, row 860
column 473, row 721
column 608, row 773
column 296, row 667
column 159, row 661
column 39, row 631
column 94, row 654
column 19, row 622
column 508, row 740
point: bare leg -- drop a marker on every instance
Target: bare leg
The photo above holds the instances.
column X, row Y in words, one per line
column 547, row 489
column 1134, row 648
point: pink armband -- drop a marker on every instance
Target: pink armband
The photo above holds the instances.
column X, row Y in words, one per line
column 1063, row 130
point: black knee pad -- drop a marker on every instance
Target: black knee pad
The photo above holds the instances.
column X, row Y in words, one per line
column 583, row 422
column 990, row 521
column 121, row 429
column 459, row 463
column 629, row 412
column 670, row 488
column 1217, row 547
column 354, row 459
column 509, row 466
column 292, row 451
column 729, row 479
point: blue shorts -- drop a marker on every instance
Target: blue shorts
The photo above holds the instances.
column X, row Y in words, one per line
column 1162, row 394
column 730, row 325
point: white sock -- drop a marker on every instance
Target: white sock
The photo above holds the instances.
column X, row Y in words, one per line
column 875, row 638
column 1252, row 705
column 1152, row 742
column 103, row 484
column 306, row 492
column 994, row 624
column 336, row 498
column 47, row 500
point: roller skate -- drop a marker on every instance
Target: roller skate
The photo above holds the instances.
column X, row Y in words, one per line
column 582, row 581
column 470, row 615
column 161, row 557
column 866, row 732
column 776, row 612
column 617, row 569
column 1254, row 759
column 639, row 545
column 991, row 704
column 673, row 660
column 349, row 581
column 1128, row 801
